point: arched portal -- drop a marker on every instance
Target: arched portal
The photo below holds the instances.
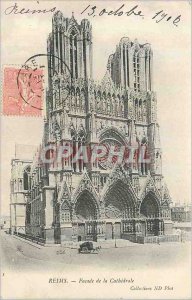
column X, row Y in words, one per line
column 149, row 211
column 119, row 210
column 119, row 202
column 85, row 207
column 86, row 211
column 149, row 206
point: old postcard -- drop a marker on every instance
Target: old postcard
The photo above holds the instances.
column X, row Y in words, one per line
column 95, row 149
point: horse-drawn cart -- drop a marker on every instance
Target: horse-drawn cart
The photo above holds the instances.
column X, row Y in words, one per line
column 88, row 247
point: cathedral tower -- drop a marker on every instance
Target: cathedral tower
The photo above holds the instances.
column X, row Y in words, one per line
column 69, row 47
column 131, row 65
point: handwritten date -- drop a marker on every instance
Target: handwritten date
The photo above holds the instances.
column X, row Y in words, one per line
column 134, row 11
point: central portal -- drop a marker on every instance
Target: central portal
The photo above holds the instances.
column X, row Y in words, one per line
column 119, row 206
column 118, row 202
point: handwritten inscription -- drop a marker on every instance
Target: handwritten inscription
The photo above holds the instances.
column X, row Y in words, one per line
column 91, row 11
column 15, row 9
column 135, row 11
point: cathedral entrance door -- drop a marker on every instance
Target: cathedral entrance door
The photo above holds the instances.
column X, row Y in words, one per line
column 150, row 210
column 109, row 231
column 81, row 232
column 91, row 231
column 119, row 205
column 143, row 228
column 117, row 230
column 86, row 212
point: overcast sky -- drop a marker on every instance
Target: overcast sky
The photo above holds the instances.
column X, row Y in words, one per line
column 25, row 35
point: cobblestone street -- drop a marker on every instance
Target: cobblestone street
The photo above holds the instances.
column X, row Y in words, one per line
column 22, row 254
column 43, row 272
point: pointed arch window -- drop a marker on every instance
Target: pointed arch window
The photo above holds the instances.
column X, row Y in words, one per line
column 118, row 105
column 82, row 99
column 73, row 54
column 113, row 104
column 74, row 150
column 136, row 108
column 136, row 70
column 78, row 104
column 26, row 178
column 144, row 164
column 122, row 106
column 81, row 145
column 104, row 98
column 99, row 102
column 109, row 103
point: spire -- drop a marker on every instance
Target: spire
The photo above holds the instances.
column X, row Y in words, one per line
column 73, row 21
column 58, row 18
column 107, row 80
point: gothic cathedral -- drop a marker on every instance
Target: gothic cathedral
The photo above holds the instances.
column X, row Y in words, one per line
column 76, row 201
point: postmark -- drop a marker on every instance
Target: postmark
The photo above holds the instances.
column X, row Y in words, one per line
column 39, row 62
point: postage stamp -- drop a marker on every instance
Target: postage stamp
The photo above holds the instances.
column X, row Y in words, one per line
column 22, row 91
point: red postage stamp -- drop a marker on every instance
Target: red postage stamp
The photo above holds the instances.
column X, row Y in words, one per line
column 22, row 91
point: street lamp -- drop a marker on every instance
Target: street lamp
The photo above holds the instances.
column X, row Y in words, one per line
column 113, row 233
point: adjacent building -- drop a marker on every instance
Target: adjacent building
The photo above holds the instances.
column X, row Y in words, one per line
column 20, row 186
column 181, row 213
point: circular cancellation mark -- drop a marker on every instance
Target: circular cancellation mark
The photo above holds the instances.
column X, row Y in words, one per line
column 31, row 79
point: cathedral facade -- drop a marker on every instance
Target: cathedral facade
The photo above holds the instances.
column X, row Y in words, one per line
column 101, row 199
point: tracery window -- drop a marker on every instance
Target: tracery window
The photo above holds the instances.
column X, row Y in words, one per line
column 65, row 213
column 65, row 217
column 78, row 144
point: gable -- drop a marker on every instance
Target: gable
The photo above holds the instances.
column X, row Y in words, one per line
column 85, row 184
column 118, row 173
column 149, row 186
column 166, row 199
column 64, row 193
